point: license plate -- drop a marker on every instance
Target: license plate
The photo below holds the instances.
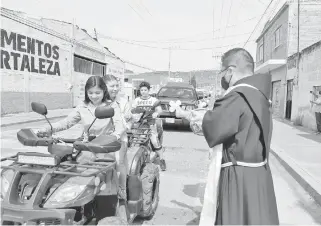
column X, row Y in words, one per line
column 170, row 120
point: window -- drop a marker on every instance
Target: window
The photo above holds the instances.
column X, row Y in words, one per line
column 261, row 52
column 277, row 37
column 89, row 67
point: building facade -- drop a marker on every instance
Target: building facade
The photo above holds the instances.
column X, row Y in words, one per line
column 277, row 44
column 48, row 61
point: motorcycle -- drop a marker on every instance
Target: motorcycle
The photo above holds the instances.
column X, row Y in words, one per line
column 55, row 189
column 141, row 153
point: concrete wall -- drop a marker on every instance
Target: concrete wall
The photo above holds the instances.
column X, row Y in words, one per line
column 309, row 76
column 32, row 73
column 270, row 51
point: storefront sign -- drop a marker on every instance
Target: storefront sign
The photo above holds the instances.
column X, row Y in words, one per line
column 23, row 53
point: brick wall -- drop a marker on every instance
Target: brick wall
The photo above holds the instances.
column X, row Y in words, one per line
column 310, row 26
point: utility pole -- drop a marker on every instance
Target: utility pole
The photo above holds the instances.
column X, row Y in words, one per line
column 96, row 34
column 298, row 47
column 169, row 62
column 215, row 85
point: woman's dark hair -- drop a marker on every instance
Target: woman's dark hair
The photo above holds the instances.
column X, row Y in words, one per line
column 94, row 81
column 144, row 84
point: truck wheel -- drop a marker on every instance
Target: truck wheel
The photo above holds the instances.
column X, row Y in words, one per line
column 150, row 184
column 112, row 221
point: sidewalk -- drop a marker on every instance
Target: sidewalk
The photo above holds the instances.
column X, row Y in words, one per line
column 20, row 118
column 299, row 151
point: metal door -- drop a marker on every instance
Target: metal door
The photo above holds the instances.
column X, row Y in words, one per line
column 276, row 88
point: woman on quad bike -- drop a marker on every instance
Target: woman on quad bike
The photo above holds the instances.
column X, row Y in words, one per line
column 112, row 83
column 96, row 94
column 146, row 101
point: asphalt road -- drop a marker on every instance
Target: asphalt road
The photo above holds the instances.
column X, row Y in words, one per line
column 183, row 184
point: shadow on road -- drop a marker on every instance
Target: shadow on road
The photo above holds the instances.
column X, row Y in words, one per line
column 176, row 128
column 195, row 191
column 196, row 210
column 311, row 134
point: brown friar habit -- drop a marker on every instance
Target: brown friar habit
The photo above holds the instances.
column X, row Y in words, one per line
column 242, row 122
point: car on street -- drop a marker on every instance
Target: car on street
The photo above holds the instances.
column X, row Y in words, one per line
column 174, row 91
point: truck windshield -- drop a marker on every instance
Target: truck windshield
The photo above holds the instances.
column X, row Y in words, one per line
column 177, row 92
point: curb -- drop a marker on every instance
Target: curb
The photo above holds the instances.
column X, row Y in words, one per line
column 307, row 181
column 29, row 121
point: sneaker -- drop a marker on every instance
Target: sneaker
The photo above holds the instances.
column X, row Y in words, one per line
column 162, row 164
column 122, row 194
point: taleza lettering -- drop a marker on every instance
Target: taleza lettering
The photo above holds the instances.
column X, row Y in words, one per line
column 23, row 62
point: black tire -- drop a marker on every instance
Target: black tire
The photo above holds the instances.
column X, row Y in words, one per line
column 150, row 183
column 112, row 221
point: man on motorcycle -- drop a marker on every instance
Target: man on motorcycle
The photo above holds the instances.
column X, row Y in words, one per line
column 145, row 101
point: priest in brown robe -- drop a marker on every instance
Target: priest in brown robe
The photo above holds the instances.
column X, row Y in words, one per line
column 241, row 121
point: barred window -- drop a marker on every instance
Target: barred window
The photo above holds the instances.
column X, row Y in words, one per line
column 88, row 66
column 98, row 69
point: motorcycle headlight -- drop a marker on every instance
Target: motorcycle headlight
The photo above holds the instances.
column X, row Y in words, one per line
column 6, row 177
column 66, row 192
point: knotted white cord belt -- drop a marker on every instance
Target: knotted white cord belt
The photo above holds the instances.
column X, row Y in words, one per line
column 246, row 164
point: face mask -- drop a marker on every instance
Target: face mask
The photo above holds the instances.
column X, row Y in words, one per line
column 224, row 83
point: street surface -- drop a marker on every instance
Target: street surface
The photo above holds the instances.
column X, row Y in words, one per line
column 183, row 184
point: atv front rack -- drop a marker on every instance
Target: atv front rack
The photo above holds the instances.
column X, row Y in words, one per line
column 139, row 135
column 64, row 168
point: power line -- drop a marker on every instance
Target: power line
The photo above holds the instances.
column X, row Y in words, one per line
column 222, row 12
column 162, row 48
column 258, row 23
column 135, row 11
column 190, row 41
column 137, row 65
column 203, row 33
column 228, row 18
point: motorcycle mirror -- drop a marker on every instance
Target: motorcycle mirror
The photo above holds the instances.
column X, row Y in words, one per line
column 156, row 104
column 39, row 108
column 42, row 110
column 103, row 112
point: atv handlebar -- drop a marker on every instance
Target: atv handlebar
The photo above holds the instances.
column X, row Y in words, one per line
column 28, row 138
column 100, row 144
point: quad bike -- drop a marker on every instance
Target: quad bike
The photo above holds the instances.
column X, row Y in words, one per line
column 145, row 161
column 55, row 189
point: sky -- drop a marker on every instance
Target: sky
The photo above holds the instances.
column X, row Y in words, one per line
column 144, row 31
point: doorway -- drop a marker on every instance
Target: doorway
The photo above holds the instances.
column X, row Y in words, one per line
column 276, row 86
column 289, row 94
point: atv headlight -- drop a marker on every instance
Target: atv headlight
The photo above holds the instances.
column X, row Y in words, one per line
column 66, row 192
column 6, row 177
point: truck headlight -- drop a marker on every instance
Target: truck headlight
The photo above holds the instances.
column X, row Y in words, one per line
column 190, row 107
column 66, row 192
column 6, row 178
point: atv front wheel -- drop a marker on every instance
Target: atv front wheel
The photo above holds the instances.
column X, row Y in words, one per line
column 112, row 221
column 150, row 184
